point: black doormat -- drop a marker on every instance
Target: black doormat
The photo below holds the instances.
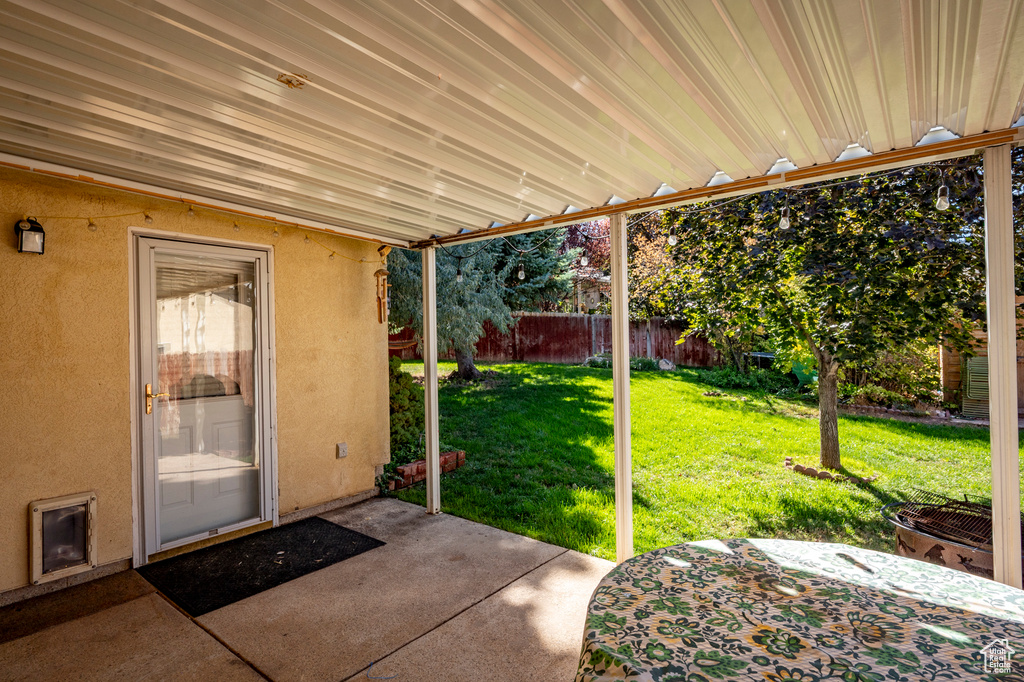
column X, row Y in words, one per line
column 215, row 576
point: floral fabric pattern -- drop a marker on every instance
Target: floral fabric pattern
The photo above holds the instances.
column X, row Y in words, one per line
column 780, row 610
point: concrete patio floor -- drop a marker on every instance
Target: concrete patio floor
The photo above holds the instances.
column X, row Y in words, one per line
column 444, row 599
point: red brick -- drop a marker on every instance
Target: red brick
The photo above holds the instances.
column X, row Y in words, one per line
column 461, row 455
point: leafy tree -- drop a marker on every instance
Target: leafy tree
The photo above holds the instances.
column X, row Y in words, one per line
column 462, row 306
column 863, row 268
column 650, row 272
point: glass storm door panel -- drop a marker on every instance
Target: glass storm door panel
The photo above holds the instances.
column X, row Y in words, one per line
column 201, row 360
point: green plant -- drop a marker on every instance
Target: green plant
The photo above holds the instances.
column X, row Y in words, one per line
column 406, row 407
column 881, row 396
column 768, row 380
column 604, row 361
column 870, row 393
column 643, row 364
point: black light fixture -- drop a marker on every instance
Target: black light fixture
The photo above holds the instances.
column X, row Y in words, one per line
column 30, row 235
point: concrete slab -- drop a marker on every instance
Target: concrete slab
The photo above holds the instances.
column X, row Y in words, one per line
column 143, row 639
column 32, row 615
column 331, row 624
column 531, row 630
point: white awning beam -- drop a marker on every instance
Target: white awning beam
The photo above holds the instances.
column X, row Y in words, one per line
column 1002, row 366
column 620, row 390
column 432, row 425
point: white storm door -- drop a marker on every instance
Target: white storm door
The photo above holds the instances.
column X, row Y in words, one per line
column 204, row 359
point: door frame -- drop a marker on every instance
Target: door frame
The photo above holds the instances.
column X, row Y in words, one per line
column 267, row 369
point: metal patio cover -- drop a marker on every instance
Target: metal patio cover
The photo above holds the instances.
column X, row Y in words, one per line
column 405, row 119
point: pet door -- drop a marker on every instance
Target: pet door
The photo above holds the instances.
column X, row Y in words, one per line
column 63, row 536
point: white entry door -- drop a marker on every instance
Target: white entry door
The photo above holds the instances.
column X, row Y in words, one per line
column 204, row 390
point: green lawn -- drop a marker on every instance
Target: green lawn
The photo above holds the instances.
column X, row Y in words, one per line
column 539, row 461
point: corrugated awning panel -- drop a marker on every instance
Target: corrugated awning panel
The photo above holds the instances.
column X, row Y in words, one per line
column 431, row 117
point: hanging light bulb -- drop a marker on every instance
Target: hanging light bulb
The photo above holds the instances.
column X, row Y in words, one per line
column 191, row 212
column 522, row 271
column 584, row 261
column 672, row 238
column 236, row 227
column 148, row 218
column 458, row 274
column 942, row 200
column 784, row 220
column 92, row 226
column 307, row 239
column 331, row 257
column 275, row 233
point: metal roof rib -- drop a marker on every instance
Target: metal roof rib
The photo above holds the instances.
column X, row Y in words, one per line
column 437, row 117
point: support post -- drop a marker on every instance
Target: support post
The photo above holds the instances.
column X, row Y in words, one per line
column 620, row 391
column 431, row 424
column 1002, row 366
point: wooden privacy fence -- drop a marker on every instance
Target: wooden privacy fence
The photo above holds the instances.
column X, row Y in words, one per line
column 570, row 338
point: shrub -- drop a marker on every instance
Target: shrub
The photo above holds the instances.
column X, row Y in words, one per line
column 768, row 380
column 913, row 372
column 604, row 361
column 406, row 408
column 875, row 395
column 643, row 364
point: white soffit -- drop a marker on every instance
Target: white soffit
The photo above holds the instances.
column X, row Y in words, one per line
column 410, row 119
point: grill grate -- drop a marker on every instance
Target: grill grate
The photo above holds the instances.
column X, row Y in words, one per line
column 964, row 521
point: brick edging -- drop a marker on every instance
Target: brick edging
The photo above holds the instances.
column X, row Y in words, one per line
column 414, row 472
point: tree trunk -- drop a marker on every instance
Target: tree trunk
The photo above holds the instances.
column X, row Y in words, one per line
column 733, row 354
column 467, row 370
column 828, row 410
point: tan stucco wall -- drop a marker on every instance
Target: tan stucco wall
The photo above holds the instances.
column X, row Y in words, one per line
column 64, row 358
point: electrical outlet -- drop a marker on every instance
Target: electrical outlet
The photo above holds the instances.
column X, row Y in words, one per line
column 342, row 450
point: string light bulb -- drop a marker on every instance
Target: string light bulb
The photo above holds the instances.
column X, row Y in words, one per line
column 236, row 227
column 331, row 257
column 191, row 212
column 147, row 218
column 672, row 238
column 275, row 234
column 92, row 226
column 458, row 274
column 942, row 200
column 784, row 220
column 307, row 239
column 522, row 271
column 584, row 261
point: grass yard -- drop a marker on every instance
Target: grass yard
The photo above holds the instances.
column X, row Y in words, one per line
column 539, row 462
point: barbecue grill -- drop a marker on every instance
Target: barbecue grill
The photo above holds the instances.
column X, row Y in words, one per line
column 944, row 530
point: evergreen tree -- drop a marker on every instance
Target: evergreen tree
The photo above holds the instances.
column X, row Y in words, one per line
column 462, row 306
column 547, row 270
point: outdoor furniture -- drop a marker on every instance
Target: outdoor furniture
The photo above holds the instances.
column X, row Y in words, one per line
column 782, row 610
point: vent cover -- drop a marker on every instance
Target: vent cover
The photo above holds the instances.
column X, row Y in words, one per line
column 63, row 536
column 976, row 388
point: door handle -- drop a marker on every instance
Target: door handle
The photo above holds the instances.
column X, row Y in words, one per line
column 149, row 398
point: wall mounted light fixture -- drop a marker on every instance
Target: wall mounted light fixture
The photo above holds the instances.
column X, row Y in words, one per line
column 31, row 238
